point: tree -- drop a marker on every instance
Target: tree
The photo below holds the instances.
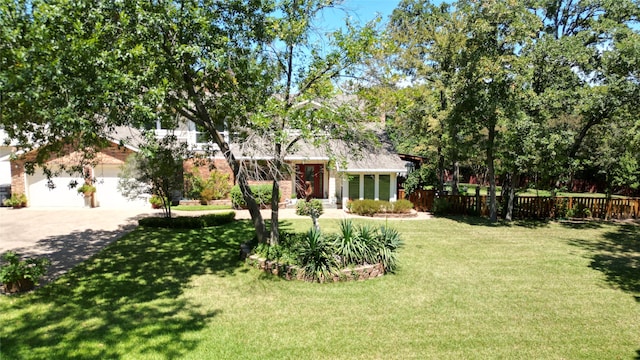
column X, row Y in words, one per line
column 75, row 70
column 155, row 169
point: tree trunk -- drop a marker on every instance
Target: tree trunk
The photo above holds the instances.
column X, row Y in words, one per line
column 204, row 119
column 456, row 175
column 275, row 228
column 440, row 170
column 493, row 208
column 515, row 180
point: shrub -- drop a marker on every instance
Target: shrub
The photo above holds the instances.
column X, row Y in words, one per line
column 216, row 187
column 15, row 270
column 262, row 194
column 401, row 206
column 390, row 242
column 316, row 257
column 16, row 200
column 365, row 207
column 369, row 207
column 86, row 189
column 441, row 206
column 188, row 222
column 311, row 208
column 156, row 201
column 348, row 245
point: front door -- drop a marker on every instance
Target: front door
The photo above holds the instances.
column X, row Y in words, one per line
column 309, row 179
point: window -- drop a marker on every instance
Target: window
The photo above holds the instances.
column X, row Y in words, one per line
column 354, row 187
column 369, row 186
column 385, row 185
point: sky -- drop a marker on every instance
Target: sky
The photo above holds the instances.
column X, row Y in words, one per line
column 361, row 11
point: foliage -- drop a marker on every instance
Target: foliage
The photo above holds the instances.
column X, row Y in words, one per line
column 15, row 269
column 155, row 169
column 579, row 210
column 157, row 202
column 441, row 206
column 312, row 208
column 86, row 189
column 390, row 241
column 349, row 245
column 368, row 207
column 216, row 187
column 188, row 222
column 420, row 178
column 316, row 257
column 16, row 200
column 261, row 193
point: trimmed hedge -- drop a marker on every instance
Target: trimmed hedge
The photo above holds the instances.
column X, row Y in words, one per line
column 371, row 207
column 262, row 193
column 188, row 222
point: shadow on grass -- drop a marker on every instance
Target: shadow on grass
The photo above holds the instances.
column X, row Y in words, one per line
column 617, row 256
column 481, row 221
column 126, row 300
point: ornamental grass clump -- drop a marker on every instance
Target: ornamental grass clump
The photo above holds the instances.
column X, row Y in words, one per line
column 321, row 257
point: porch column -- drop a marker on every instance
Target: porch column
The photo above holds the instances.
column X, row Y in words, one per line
column 361, row 195
column 393, row 187
column 345, row 191
column 376, row 187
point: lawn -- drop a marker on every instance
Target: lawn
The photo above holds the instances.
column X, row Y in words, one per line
column 466, row 289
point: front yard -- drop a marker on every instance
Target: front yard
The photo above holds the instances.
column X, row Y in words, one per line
column 465, row 289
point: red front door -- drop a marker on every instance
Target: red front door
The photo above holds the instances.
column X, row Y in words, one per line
column 309, row 179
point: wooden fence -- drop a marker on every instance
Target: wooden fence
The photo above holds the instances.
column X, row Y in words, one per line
column 528, row 207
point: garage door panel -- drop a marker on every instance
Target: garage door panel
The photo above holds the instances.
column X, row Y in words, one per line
column 107, row 193
column 41, row 194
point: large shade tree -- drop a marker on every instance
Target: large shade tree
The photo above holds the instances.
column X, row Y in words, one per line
column 73, row 71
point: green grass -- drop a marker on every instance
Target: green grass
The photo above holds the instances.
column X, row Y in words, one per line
column 200, row 207
column 471, row 190
column 465, row 289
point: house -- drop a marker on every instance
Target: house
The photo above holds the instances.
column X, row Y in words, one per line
column 61, row 189
column 335, row 174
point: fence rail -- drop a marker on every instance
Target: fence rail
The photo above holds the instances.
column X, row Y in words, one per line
column 528, row 207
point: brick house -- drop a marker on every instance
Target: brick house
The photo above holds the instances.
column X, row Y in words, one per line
column 336, row 173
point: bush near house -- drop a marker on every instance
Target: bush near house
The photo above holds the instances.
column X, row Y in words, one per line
column 262, row 193
column 371, row 207
column 216, row 187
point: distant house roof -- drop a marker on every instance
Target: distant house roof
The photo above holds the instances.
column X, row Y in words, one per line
column 349, row 157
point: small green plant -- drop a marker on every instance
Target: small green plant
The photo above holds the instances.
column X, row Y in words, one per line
column 312, row 208
column 188, row 222
column 18, row 200
column 87, row 189
column 21, row 275
column 316, row 257
column 157, row 203
column 441, row 206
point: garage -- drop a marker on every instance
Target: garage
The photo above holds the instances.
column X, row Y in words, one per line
column 57, row 193
column 107, row 193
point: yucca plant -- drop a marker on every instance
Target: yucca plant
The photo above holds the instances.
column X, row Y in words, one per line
column 316, row 257
column 370, row 239
column 390, row 242
column 349, row 248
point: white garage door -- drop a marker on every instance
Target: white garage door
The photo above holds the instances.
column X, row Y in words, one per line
column 107, row 193
column 40, row 194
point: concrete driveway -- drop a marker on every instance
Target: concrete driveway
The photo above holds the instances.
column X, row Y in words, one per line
column 67, row 236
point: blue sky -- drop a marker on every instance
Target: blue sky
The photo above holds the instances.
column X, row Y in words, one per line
column 361, row 11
